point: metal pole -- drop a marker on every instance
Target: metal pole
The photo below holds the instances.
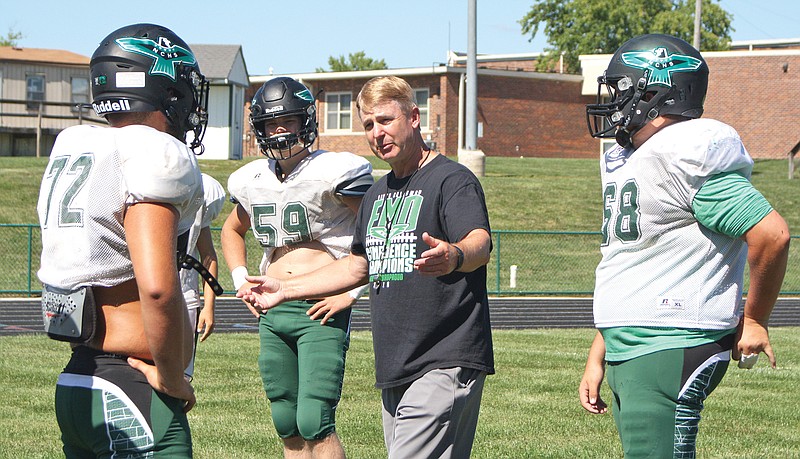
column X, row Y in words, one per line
column 461, row 112
column 39, row 131
column 698, row 14
column 30, row 259
column 471, row 141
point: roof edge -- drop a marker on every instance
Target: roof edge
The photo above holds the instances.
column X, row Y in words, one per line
column 415, row 71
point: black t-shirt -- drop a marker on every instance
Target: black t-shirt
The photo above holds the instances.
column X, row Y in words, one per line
column 421, row 323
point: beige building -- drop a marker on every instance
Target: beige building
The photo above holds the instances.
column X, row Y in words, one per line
column 41, row 92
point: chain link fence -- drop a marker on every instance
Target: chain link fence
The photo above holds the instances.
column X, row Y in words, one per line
column 523, row 263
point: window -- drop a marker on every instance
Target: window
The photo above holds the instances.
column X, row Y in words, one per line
column 80, row 91
column 35, row 91
column 337, row 105
column 421, row 98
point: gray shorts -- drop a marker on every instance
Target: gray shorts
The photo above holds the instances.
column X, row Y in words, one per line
column 433, row 416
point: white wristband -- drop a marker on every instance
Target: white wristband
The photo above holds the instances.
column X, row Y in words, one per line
column 238, row 275
column 358, row 291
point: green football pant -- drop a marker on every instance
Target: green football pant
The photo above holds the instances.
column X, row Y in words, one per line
column 658, row 398
column 302, row 368
column 113, row 412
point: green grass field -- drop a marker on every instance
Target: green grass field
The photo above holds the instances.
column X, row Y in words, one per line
column 529, row 409
column 521, row 193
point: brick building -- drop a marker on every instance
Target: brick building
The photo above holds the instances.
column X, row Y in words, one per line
column 520, row 112
column 525, row 113
column 757, row 93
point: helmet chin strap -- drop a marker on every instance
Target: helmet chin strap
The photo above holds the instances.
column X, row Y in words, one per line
column 623, row 137
column 283, row 144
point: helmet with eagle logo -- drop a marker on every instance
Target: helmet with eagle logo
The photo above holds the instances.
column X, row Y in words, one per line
column 145, row 68
column 648, row 76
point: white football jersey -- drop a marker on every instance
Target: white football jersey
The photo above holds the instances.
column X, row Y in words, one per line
column 304, row 207
column 214, row 199
column 94, row 173
column 660, row 267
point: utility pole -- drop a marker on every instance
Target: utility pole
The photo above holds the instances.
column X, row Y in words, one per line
column 468, row 154
column 698, row 14
column 471, row 141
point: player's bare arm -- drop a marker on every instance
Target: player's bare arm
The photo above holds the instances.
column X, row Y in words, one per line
column 232, row 237
column 589, row 389
column 234, row 247
column 768, row 251
column 208, row 257
column 146, row 318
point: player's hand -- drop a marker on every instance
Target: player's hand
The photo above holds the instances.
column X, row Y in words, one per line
column 589, row 389
column 205, row 323
column 180, row 388
column 752, row 337
column 439, row 260
column 260, row 293
column 247, row 298
column 328, row 307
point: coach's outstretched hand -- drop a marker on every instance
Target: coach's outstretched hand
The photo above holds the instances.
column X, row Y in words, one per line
column 261, row 293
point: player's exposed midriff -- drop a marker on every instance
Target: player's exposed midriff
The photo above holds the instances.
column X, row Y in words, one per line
column 120, row 329
column 300, row 258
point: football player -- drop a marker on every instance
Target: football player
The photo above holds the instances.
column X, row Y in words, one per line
column 112, row 204
column 301, row 205
column 680, row 222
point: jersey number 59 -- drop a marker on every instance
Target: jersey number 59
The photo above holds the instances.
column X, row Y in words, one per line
column 292, row 225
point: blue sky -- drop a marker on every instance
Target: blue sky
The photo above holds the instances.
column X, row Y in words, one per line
column 299, row 36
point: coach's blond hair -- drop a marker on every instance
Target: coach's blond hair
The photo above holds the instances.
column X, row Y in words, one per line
column 383, row 89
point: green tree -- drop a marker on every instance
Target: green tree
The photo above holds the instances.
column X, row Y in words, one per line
column 355, row 61
column 575, row 27
column 11, row 39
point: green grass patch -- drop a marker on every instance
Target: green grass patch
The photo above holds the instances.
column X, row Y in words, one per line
column 521, row 193
column 529, row 408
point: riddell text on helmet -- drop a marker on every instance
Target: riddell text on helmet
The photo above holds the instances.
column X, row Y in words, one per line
column 107, row 106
